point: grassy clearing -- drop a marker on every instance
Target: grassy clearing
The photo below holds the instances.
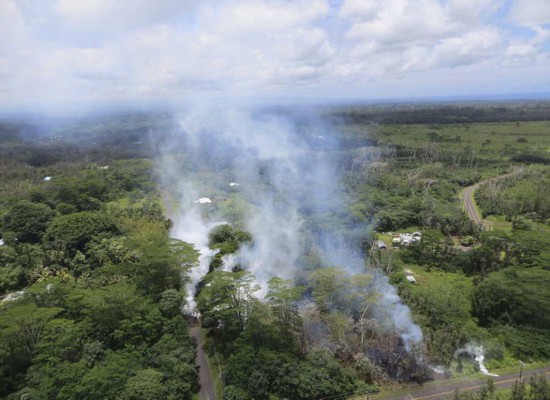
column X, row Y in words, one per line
column 498, row 223
column 441, row 281
column 449, row 287
column 135, row 202
column 490, row 140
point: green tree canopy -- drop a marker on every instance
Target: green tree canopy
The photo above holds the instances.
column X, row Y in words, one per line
column 27, row 221
column 72, row 232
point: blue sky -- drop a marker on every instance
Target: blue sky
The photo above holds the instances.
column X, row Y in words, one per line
column 109, row 50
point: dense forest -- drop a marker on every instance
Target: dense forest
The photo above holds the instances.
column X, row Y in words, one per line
column 94, row 309
column 94, row 286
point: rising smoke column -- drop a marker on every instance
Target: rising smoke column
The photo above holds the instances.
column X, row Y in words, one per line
column 477, row 352
column 284, row 174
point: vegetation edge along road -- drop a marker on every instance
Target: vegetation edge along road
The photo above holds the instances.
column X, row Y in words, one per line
column 448, row 389
column 469, row 203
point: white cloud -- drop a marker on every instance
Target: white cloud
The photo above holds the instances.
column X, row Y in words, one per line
column 108, row 16
column 467, row 49
column 530, row 12
column 398, row 21
column 258, row 17
column 105, row 49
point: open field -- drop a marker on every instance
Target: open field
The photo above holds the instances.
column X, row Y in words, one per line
column 488, row 140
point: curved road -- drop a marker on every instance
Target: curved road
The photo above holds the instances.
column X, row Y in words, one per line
column 446, row 390
column 468, row 197
column 468, row 201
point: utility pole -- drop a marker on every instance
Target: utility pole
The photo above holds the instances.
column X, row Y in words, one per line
column 520, row 369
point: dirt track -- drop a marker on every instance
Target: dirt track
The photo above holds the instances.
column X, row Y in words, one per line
column 446, row 390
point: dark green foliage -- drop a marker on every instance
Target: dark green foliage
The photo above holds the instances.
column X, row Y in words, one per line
column 73, row 232
column 530, row 159
column 170, row 303
column 93, row 344
column 27, row 222
column 442, row 114
column 263, row 372
column 100, row 315
column 145, row 384
column 114, row 315
column 225, row 302
column 319, row 376
column 174, row 355
column 21, row 327
column 235, row 393
column 156, row 261
column 514, row 296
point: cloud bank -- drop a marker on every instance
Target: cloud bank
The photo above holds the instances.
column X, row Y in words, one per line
column 99, row 50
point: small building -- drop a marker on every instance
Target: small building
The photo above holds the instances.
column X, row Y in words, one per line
column 410, row 278
column 381, row 245
column 408, row 272
column 203, row 200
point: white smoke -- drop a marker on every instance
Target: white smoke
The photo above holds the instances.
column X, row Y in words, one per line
column 229, row 262
column 477, row 352
column 192, row 228
column 282, row 177
column 396, row 314
column 262, row 155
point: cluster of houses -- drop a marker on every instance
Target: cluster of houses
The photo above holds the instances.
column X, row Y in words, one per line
column 405, row 239
column 402, row 240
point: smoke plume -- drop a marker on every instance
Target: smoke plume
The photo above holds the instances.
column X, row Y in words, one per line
column 477, row 352
column 289, row 184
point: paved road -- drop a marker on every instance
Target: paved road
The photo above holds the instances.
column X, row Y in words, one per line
column 446, row 390
column 208, row 389
column 468, row 198
column 469, row 205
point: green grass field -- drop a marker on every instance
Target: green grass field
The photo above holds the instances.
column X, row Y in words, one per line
column 488, row 140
